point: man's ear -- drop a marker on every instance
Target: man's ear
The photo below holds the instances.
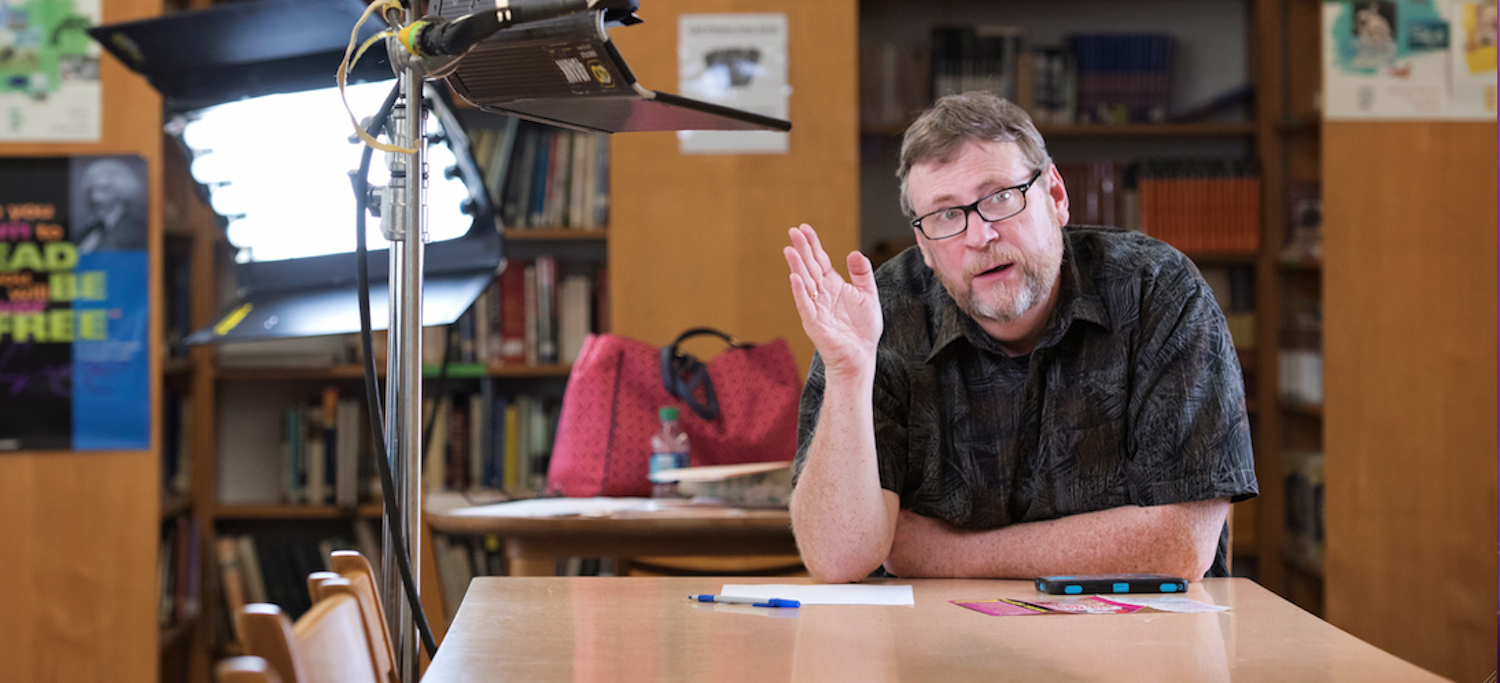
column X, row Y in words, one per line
column 922, row 245
column 1057, row 193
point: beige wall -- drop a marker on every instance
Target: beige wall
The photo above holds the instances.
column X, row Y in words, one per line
column 1410, row 349
column 696, row 239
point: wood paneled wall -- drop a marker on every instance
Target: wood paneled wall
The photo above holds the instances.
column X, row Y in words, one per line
column 1410, row 381
column 79, row 531
column 696, row 239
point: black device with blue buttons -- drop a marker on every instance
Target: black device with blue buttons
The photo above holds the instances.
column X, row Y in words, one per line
column 1111, row 583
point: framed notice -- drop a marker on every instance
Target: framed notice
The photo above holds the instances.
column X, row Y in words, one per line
column 74, row 316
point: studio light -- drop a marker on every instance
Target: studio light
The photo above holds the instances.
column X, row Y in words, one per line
column 284, row 194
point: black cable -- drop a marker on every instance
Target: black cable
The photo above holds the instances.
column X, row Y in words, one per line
column 361, row 183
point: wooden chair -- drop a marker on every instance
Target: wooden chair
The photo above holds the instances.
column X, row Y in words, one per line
column 316, row 579
column 245, row 669
column 354, row 568
column 327, row 645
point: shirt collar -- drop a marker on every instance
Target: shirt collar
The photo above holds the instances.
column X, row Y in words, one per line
column 1077, row 300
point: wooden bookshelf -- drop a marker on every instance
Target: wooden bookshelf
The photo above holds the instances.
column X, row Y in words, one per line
column 171, row 506
column 279, row 511
column 347, row 372
column 178, row 634
column 1223, row 258
column 553, row 234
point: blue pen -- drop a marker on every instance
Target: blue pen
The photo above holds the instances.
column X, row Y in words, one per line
column 753, row 602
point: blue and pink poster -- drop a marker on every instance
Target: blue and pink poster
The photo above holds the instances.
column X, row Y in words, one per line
column 74, row 314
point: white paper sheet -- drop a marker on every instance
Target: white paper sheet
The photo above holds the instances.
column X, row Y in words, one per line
column 1168, row 604
column 819, row 594
column 563, row 507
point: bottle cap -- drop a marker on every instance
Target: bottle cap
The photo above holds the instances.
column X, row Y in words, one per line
column 668, row 413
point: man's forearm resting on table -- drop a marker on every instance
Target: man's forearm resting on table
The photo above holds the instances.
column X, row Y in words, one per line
column 841, row 517
column 1178, row 539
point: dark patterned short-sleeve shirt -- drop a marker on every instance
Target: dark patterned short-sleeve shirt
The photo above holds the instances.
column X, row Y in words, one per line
column 1133, row 396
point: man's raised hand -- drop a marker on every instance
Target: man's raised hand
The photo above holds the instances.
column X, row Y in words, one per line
column 842, row 318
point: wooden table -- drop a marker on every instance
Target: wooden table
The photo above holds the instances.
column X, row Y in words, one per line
column 534, row 544
column 645, row 629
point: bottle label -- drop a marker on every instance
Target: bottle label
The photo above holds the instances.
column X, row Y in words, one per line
column 667, row 461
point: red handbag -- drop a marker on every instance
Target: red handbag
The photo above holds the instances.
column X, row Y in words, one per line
column 739, row 407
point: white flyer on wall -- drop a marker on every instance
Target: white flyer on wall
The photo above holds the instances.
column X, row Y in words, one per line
column 1409, row 59
column 1472, row 49
column 738, row 61
column 50, row 90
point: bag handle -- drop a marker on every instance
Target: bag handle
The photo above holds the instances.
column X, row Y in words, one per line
column 682, row 374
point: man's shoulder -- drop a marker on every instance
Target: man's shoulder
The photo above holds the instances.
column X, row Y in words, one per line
column 1111, row 257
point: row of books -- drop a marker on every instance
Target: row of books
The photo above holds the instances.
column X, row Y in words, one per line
column 1304, row 222
column 1095, row 189
column 489, row 440
column 1304, row 542
column 1122, row 78
column 272, row 566
column 539, row 176
column 177, row 571
column 1200, row 204
column 176, row 463
column 1300, row 370
column 1094, row 78
column 1234, row 290
column 326, row 453
column 535, row 313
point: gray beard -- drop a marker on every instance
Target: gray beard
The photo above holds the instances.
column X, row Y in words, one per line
column 1037, row 285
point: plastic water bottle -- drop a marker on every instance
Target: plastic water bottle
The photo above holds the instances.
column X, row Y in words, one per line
column 669, row 451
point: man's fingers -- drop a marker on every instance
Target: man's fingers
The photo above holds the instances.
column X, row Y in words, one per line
column 861, row 273
column 807, row 309
column 812, row 270
column 817, row 248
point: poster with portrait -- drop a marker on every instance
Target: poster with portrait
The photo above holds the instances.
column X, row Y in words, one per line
column 74, row 316
column 49, row 71
column 1408, row 59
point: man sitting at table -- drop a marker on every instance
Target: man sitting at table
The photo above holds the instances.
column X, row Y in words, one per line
column 1043, row 399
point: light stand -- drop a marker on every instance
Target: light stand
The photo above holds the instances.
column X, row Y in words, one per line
column 403, row 222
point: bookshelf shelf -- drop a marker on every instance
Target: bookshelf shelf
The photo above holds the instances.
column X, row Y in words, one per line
column 177, row 367
column 554, row 234
column 1312, row 410
column 278, row 511
column 455, row 371
column 178, row 633
column 1302, row 266
column 1225, row 258
column 171, row 506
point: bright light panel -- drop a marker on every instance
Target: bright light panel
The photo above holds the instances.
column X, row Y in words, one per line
column 277, row 168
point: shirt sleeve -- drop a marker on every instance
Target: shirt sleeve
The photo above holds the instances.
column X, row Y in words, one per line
column 1190, row 433
column 890, row 430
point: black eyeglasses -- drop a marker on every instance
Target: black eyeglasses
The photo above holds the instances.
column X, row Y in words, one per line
column 993, row 207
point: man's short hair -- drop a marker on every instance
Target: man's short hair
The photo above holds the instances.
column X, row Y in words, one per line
column 941, row 131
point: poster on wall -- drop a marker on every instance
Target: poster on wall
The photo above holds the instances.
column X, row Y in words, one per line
column 49, row 71
column 74, row 317
column 739, row 61
column 1409, row 59
column 1472, row 56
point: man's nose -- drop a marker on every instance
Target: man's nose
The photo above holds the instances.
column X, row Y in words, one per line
column 978, row 231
